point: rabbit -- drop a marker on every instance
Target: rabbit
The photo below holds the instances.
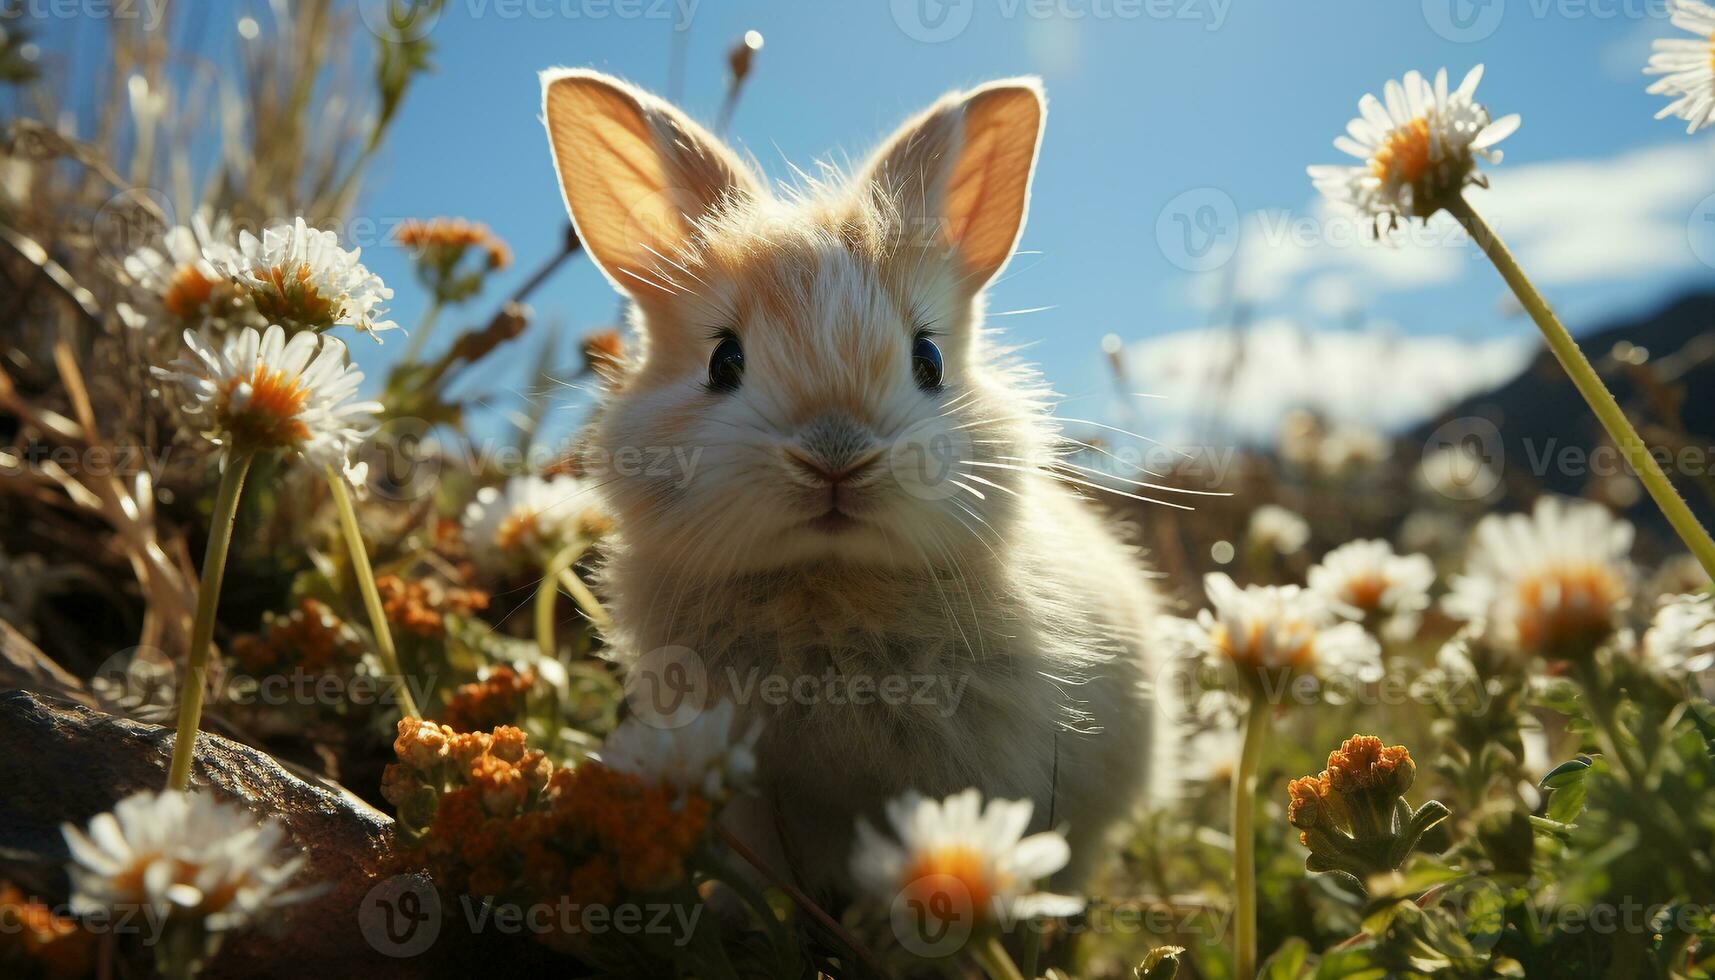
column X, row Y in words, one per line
column 866, row 553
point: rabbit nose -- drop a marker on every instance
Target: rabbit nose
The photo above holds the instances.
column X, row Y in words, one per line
column 822, row 472
column 833, row 448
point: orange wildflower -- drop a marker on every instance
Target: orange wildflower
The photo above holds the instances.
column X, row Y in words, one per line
column 1362, row 765
column 508, row 823
column 495, row 700
column 420, row 606
column 443, row 241
column 310, row 637
column 35, row 941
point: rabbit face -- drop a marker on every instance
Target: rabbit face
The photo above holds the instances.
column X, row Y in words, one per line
column 812, row 364
column 824, row 401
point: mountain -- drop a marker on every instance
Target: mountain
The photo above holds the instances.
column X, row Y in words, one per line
column 1537, row 430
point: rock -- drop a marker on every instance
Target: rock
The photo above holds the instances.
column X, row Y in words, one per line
column 67, row 762
column 62, row 761
column 22, row 664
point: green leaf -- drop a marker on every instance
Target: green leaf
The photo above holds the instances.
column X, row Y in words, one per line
column 1567, row 773
column 1505, row 966
column 1350, row 964
column 1567, row 801
column 1162, row 963
column 1485, row 914
column 1558, row 694
column 1289, row 962
column 1381, row 918
column 1420, row 873
column 1702, row 715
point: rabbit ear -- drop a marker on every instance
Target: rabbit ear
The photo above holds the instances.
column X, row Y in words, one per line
column 959, row 174
column 636, row 174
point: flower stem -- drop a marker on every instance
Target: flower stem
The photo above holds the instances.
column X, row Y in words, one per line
column 801, row 901
column 1033, row 938
column 420, row 338
column 547, row 592
column 202, row 627
column 366, row 585
column 585, row 599
column 1244, row 841
column 1605, row 723
column 1590, row 385
column 995, row 961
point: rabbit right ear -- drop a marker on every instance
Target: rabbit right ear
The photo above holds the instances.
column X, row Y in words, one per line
column 962, row 171
column 636, row 174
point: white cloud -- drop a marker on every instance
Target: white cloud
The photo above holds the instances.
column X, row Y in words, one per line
column 1623, row 58
column 1615, row 219
column 1215, row 384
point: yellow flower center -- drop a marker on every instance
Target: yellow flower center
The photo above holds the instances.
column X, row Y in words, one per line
column 951, row 884
column 187, row 292
column 517, row 526
column 130, row 881
column 1404, row 154
column 1294, row 644
column 1365, row 591
column 1567, row 607
column 269, row 417
column 291, row 297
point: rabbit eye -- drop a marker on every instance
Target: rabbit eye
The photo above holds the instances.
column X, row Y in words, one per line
column 926, row 363
column 726, row 365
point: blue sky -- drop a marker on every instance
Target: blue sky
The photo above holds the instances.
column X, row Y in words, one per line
column 1148, row 101
column 1161, row 111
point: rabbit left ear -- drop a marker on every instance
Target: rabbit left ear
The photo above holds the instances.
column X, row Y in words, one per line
column 637, row 174
column 960, row 172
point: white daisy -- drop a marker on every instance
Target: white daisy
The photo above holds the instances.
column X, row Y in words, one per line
column 1389, row 590
column 1457, row 471
column 1556, row 583
column 183, row 278
column 1681, row 638
column 299, row 276
column 1687, row 66
column 957, row 857
column 260, row 392
column 1274, row 528
column 1351, row 448
column 529, row 520
column 1418, row 147
column 709, row 755
column 181, row 856
column 1680, row 575
column 1264, row 629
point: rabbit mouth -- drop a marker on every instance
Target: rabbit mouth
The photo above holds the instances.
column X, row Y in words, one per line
column 835, row 521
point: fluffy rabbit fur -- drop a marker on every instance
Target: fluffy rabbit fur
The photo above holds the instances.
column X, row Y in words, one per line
column 939, row 612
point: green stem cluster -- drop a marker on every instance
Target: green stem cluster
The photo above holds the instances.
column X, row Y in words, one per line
column 547, row 591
